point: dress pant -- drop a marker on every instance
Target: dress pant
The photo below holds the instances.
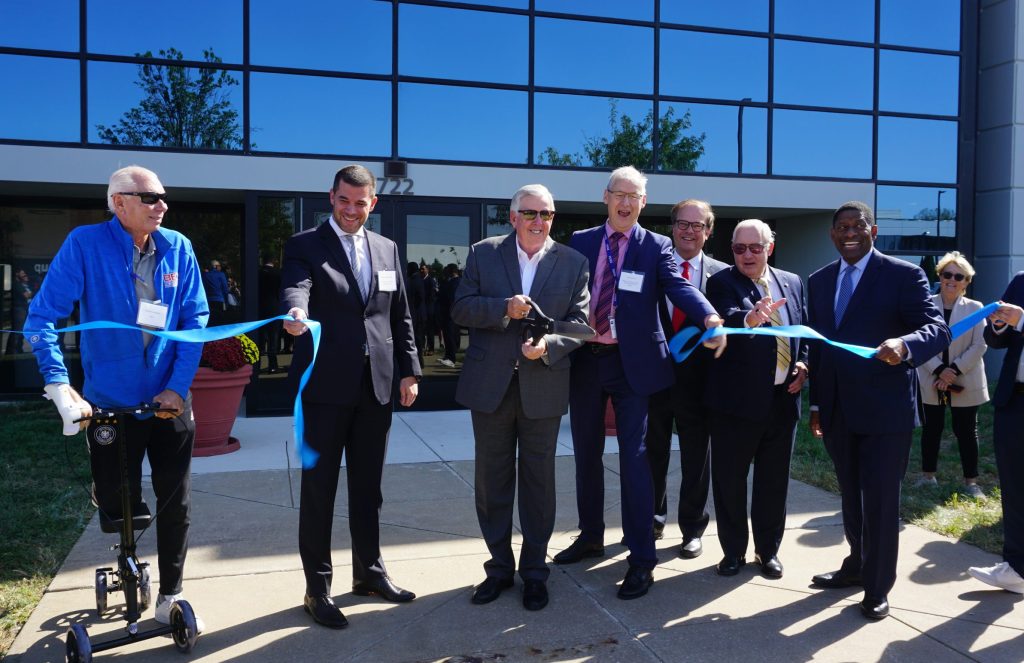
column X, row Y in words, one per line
column 1008, row 436
column 768, row 444
column 498, row 436
column 360, row 432
column 965, row 428
column 168, row 443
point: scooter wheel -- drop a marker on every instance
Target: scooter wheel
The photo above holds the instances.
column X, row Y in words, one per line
column 78, row 647
column 101, row 592
column 183, row 620
column 145, row 590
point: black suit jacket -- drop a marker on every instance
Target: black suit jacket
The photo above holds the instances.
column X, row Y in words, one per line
column 1011, row 339
column 696, row 366
column 317, row 278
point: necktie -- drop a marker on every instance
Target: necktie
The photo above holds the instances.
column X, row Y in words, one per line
column 783, row 354
column 845, row 292
column 678, row 317
column 355, row 258
column 604, row 302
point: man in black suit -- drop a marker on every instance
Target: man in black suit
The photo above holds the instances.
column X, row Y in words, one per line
column 754, row 393
column 867, row 409
column 351, row 281
column 683, row 403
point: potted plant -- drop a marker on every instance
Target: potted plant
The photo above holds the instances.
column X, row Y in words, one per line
column 225, row 368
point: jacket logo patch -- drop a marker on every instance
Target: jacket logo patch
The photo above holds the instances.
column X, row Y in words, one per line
column 171, row 280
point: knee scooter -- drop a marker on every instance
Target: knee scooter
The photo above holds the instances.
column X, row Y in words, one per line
column 132, row 575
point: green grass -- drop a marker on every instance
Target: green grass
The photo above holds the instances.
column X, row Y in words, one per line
column 44, row 504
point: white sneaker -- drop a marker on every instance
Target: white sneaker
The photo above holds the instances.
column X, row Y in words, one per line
column 973, row 490
column 1001, row 575
column 163, row 610
column 446, row 362
column 926, row 481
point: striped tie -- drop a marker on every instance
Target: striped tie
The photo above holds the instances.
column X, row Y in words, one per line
column 845, row 292
column 604, row 302
column 783, row 354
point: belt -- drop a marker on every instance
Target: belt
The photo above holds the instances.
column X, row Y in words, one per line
column 600, row 349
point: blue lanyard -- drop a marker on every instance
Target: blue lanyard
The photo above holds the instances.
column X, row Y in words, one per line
column 611, row 268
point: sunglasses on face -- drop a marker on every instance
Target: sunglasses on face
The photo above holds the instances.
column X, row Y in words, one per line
column 756, row 249
column 147, row 197
column 951, row 275
column 531, row 214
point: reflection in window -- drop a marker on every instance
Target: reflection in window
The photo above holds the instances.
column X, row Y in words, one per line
column 699, row 64
column 566, row 56
column 737, row 14
column 470, row 49
column 574, row 130
column 37, row 116
column 190, row 27
column 291, row 34
column 912, row 150
column 924, row 23
column 464, row 124
column 164, row 106
column 852, row 20
column 821, row 144
column 907, row 220
column 51, row 25
column 918, row 83
column 437, row 240
column 318, row 125
column 497, row 222
column 723, row 151
column 640, row 10
column 513, row 4
column 216, row 235
column 809, row 74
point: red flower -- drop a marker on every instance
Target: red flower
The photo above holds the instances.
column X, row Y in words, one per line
column 223, row 355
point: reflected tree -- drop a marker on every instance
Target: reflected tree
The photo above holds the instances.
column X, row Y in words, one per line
column 929, row 213
column 182, row 107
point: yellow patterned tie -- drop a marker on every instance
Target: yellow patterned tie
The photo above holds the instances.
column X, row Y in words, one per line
column 783, row 355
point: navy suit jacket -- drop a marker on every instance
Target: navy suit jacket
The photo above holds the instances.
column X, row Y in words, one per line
column 892, row 300
column 645, row 356
column 1011, row 339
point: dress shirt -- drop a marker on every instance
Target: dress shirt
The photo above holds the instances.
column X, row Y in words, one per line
column 361, row 268
column 858, row 271
column 696, row 275
column 598, row 276
column 528, row 266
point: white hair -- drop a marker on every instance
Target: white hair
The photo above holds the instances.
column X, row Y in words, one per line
column 124, row 180
column 538, row 190
column 762, row 228
column 631, row 175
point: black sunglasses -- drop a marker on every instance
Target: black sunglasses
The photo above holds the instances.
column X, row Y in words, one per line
column 147, row 197
column 951, row 275
column 756, row 249
column 531, row 214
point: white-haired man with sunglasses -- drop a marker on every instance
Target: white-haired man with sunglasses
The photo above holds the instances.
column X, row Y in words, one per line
column 132, row 271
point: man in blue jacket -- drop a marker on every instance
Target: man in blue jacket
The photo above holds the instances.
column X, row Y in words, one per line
column 131, row 271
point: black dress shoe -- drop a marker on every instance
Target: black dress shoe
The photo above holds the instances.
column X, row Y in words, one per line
column 383, row 587
column 323, row 611
column 836, row 580
column 535, row 594
column 771, row 567
column 875, row 608
column 636, row 583
column 730, row 566
column 490, row 589
column 579, row 550
column 691, row 548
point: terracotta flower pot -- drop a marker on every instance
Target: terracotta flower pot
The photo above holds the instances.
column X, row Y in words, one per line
column 216, row 396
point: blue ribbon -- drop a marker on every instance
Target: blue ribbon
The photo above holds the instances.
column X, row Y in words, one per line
column 307, row 455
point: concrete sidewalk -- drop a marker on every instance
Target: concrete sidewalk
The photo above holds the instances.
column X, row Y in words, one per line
column 244, row 578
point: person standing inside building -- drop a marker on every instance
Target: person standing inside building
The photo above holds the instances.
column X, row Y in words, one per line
column 450, row 330
column 217, row 290
column 430, row 327
column 268, row 283
column 21, row 295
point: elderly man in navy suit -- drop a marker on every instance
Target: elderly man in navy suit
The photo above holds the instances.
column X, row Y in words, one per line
column 632, row 270
column 866, row 409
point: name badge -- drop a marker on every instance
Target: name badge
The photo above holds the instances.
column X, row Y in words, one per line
column 152, row 315
column 611, row 328
column 631, row 281
column 387, row 281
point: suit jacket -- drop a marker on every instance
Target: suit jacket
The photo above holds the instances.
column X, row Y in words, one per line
column 697, row 364
column 646, row 358
column 741, row 383
column 492, row 276
column 892, row 300
column 966, row 352
column 318, row 278
column 1012, row 340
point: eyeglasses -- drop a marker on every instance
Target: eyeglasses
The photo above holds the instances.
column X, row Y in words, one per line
column 951, row 275
column 619, row 196
column 699, row 226
column 756, row 249
column 531, row 214
column 146, row 197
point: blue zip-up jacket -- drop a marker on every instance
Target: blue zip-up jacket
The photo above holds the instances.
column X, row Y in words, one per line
column 93, row 267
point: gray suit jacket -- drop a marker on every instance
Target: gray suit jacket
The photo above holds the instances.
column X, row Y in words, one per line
column 491, row 277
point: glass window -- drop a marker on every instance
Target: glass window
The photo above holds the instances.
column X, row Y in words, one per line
column 164, row 106
column 701, row 64
column 711, row 131
column 924, row 23
column 576, row 130
column 851, row 20
column 464, row 124
column 216, row 235
column 196, row 29
column 513, row 4
column 497, row 221
column 907, row 221
column 578, row 54
column 916, row 150
column 476, row 46
column 640, row 10
column 918, row 83
column 292, row 34
column 320, row 115
column 823, row 75
column 821, row 144
column 29, row 115
column 51, row 25
column 737, row 14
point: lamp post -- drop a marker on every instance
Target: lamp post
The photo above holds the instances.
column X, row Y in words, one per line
column 938, row 215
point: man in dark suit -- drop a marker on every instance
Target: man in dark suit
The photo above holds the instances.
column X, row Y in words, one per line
column 867, row 409
column 683, row 403
column 518, row 391
column 632, row 270
column 1007, row 435
column 754, row 393
column 351, row 281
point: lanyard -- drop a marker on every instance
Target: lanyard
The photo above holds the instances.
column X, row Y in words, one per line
column 611, row 267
